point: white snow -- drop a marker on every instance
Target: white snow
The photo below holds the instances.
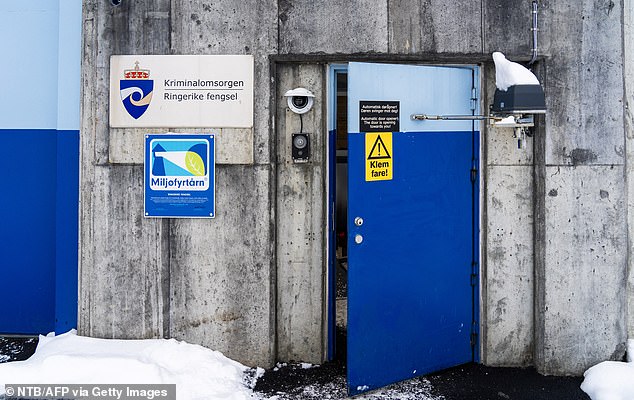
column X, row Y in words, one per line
column 198, row 373
column 611, row 380
column 509, row 73
column 510, row 120
column 279, row 365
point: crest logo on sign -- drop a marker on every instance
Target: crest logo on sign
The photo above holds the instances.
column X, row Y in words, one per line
column 136, row 90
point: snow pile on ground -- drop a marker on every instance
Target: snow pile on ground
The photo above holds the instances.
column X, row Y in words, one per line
column 611, row 380
column 509, row 73
column 198, row 373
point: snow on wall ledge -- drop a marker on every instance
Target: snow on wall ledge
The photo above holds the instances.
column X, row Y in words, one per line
column 509, row 73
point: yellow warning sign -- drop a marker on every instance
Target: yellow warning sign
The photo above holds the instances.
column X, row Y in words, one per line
column 378, row 156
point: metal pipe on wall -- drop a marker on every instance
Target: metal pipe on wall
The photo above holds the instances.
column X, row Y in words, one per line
column 534, row 31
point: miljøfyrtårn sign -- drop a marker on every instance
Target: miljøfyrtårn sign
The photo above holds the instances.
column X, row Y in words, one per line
column 179, row 176
column 181, row 91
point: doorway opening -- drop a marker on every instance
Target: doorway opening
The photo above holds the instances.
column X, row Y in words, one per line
column 403, row 226
column 341, row 214
column 338, row 209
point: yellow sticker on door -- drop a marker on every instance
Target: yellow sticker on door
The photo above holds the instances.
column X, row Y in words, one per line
column 378, row 156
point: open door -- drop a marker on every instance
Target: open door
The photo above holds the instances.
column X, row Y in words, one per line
column 412, row 223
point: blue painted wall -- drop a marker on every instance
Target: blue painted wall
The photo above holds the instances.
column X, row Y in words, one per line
column 39, row 163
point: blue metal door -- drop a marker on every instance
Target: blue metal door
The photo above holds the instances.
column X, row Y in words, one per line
column 412, row 223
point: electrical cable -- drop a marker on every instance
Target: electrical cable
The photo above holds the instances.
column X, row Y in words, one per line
column 534, row 31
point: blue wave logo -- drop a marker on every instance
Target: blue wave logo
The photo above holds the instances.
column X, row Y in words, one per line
column 179, row 158
column 179, row 164
column 136, row 91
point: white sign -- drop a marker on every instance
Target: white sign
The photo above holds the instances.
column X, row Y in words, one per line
column 181, row 91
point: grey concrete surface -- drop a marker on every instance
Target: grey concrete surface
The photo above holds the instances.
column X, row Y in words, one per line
column 508, row 273
column 232, row 145
column 417, row 26
column 581, row 244
column 584, row 79
column 508, row 283
column 123, row 258
column 584, row 279
column 233, row 27
column 301, row 266
column 139, row 277
column 123, row 293
column 628, row 71
column 219, row 291
column 506, row 26
column 251, row 282
column 358, row 26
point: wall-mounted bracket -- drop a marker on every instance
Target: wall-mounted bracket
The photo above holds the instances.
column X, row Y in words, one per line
column 513, row 121
column 427, row 117
column 518, row 122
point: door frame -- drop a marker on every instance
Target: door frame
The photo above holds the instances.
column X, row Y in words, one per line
column 331, row 91
column 331, row 163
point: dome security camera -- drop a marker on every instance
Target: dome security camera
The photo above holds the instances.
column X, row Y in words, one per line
column 115, row 2
column 299, row 100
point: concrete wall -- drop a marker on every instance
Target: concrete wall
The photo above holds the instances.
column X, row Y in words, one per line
column 209, row 282
column 251, row 282
column 582, row 247
column 507, row 325
column 628, row 68
column 301, row 210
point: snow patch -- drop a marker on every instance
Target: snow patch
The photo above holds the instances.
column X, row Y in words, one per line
column 611, row 380
column 335, row 389
column 279, row 365
column 509, row 73
column 199, row 373
column 252, row 375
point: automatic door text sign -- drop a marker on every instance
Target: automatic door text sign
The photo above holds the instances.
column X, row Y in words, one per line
column 378, row 156
column 179, row 176
column 379, row 116
column 91, row 392
column 181, row 91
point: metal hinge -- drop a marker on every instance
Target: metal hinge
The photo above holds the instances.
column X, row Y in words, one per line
column 474, row 171
column 474, row 99
column 474, row 273
column 474, row 334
